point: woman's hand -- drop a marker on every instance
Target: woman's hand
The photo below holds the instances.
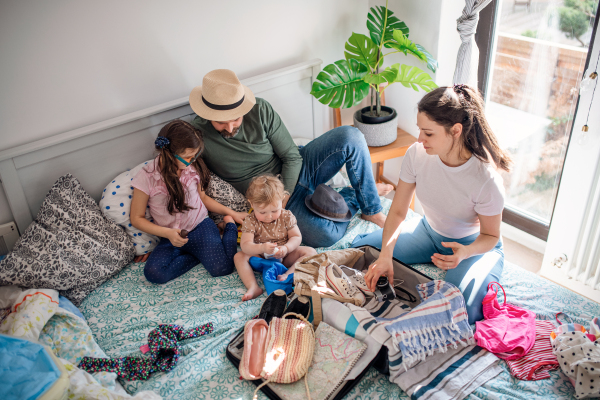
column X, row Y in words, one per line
column 239, row 216
column 381, row 266
column 449, row 262
column 141, row 258
column 175, row 239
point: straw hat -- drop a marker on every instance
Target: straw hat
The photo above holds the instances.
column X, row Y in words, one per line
column 222, row 97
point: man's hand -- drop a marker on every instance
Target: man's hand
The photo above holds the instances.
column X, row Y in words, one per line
column 449, row 262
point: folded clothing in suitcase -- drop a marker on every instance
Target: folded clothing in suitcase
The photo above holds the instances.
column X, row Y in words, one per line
column 406, row 292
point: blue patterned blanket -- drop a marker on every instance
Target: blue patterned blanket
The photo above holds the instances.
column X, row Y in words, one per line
column 124, row 309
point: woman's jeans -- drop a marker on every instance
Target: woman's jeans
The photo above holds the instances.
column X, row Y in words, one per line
column 204, row 246
column 322, row 159
column 418, row 242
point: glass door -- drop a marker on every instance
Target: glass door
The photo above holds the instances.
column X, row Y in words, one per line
column 538, row 59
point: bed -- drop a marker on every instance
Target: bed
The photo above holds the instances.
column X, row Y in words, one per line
column 122, row 311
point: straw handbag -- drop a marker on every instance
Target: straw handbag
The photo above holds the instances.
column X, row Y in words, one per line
column 289, row 349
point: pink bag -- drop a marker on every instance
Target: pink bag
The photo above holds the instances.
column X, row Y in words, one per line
column 508, row 331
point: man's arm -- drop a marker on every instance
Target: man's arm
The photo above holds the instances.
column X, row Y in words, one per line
column 283, row 146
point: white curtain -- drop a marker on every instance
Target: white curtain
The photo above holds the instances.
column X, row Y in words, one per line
column 467, row 61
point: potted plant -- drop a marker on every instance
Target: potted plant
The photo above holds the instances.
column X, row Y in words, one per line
column 345, row 83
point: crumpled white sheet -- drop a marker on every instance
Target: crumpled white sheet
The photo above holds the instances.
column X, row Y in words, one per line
column 35, row 316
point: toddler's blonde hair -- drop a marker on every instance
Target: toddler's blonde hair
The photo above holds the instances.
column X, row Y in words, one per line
column 265, row 189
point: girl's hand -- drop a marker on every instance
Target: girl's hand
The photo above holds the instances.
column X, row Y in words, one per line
column 449, row 262
column 281, row 252
column 239, row 216
column 381, row 266
column 175, row 239
column 269, row 248
column 141, row 258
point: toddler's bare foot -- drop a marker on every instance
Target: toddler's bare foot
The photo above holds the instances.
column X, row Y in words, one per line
column 228, row 218
column 283, row 277
column 252, row 293
column 378, row 219
column 383, row 188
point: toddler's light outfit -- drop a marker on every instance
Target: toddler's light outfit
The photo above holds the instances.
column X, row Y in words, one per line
column 271, row 232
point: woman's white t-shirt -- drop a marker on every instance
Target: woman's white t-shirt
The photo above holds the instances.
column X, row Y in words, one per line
column 452, row 197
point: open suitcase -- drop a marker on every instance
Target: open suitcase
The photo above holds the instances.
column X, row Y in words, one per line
column 406, row 292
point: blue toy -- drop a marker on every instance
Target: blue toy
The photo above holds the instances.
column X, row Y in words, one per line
column 270, row 269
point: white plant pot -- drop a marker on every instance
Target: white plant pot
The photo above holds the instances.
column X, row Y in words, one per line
column 377, row 135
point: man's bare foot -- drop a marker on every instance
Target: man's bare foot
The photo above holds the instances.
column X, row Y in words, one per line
column 252, row 293
column 378, row 218
column 383, row 188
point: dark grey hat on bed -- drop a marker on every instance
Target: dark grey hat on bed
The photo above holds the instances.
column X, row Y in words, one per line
column 327, row 203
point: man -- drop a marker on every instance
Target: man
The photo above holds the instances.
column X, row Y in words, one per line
column 244, row 137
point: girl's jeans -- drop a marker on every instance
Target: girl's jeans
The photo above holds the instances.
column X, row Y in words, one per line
column 204, row 246
column 417, row 243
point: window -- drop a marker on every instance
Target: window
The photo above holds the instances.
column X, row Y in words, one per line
column 532, row 58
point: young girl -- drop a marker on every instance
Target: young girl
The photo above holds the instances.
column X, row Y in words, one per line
column 453, row 170
column 172, row 187
column 270, row 230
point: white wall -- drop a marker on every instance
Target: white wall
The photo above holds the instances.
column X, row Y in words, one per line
column 432, row 24
column 66, row 64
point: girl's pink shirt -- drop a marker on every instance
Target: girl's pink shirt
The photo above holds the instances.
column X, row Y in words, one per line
column 150, row 181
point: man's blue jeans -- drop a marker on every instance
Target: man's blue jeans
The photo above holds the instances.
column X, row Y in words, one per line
column 322, row 159
column 417, row 243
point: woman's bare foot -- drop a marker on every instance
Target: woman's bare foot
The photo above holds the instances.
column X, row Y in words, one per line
column 252, row 293
column 383, row 188
column 378, row 219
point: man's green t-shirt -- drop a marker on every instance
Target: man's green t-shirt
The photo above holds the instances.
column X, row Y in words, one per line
column 262, row 145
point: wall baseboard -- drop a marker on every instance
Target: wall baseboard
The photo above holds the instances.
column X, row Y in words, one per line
column 524, row 238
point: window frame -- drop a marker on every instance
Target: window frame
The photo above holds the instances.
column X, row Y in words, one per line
column 484, row 38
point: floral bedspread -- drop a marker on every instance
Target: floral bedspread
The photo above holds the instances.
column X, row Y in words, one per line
column 124, row 309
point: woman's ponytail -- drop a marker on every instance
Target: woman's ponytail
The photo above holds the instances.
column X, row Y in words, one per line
column 463, row 105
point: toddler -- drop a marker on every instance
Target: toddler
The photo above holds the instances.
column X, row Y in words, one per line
column 268, row 230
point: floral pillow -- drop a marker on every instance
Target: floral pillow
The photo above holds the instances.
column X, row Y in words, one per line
column 70, row 246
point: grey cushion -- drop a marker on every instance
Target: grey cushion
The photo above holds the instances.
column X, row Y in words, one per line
column 70, row 247
column 227, row 195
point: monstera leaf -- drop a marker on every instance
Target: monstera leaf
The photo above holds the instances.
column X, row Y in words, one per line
column 413, row 77
column 376, row 21
column 341, row 84
column 403, row 44
column 432, row 63
column 387, row 76
column 361, row 48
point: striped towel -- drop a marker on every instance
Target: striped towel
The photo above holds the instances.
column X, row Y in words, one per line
column 438, row 322
column 540, row 359
column 451, row 375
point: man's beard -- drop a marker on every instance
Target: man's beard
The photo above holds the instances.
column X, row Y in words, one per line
column 228, row 135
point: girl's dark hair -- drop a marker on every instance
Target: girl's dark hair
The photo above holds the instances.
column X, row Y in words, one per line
column 182, row 136
column 462, row 104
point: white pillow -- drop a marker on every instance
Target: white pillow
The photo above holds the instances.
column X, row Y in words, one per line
column 116, row 205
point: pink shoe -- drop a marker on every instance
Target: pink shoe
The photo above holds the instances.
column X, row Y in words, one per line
column 255, row 346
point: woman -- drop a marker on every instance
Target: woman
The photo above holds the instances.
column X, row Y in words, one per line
column 452, row 167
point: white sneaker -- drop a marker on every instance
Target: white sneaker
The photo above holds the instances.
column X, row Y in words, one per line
column 357, row 277
column 342, row 285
